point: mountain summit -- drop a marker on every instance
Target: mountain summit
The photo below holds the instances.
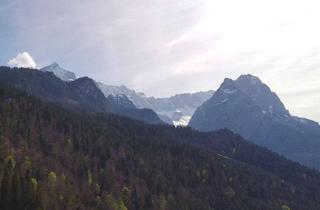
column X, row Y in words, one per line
column 248, row 106
column 59, row 72
column 261, row 94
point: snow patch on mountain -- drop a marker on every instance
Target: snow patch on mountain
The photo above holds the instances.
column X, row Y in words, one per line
column 183, row 121
column 175, row 110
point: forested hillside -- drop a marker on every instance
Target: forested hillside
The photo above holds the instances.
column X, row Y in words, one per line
column 52, row 158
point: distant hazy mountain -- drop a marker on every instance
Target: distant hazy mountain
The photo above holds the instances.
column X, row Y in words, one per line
column 176, row 110
column 80, row 94
column 60, row 72
column 248, row 107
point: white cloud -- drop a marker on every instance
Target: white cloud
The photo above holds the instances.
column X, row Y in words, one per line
column 23, row 60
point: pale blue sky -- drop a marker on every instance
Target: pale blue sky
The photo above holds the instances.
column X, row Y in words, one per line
column 166, row 47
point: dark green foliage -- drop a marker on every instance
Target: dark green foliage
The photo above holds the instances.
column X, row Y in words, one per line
column 51, row 158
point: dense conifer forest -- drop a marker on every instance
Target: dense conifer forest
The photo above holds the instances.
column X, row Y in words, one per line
column 52, row 158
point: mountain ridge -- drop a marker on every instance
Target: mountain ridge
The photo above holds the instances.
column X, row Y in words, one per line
column 167, row 108
column 81, row 94
column 175, row 110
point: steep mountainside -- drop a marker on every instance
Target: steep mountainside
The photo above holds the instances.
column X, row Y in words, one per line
column 81, row 94
column 176, row 110
column 248, row 107
column 51, row 158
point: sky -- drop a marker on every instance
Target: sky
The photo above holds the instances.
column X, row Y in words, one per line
column 166, row 47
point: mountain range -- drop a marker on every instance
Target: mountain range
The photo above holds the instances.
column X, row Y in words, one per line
column 58, row 158
column 248, row 107
column 74, row 143
column 176, row 110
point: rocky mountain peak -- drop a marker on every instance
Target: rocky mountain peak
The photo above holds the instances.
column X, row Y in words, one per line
column 262, row 95
column 249, row 79
column 228, row 84
column 59, row 72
